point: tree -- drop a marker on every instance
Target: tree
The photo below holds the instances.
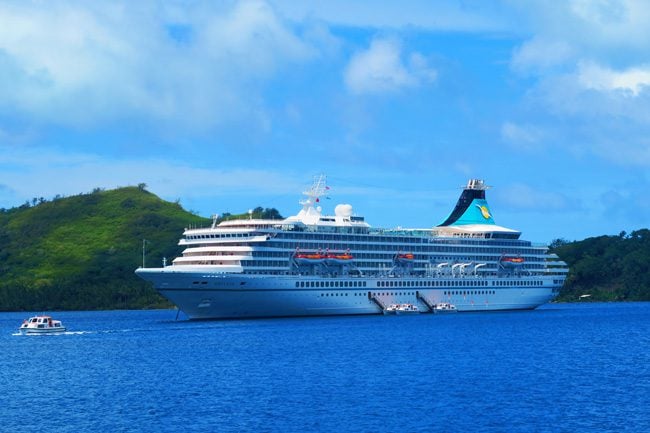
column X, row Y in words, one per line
column 556, row 243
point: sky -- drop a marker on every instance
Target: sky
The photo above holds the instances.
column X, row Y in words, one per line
column 229, row 105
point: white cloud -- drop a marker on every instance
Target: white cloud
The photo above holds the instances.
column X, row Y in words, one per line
column 74, row 173
column 596, row 29
column 88, row 63
column 563, row 34
column 524, row 197
column 590, row 112
column 445, row 15
column 521, row 137
column 590, row 66
column 380, row 69
column 541, row 55
column 631, row 81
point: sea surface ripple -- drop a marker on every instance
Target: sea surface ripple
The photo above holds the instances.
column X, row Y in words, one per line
column 560, row 368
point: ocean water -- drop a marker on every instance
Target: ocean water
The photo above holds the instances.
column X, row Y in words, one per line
column 561, row 368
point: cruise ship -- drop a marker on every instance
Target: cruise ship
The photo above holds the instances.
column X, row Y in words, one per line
column 314, row 264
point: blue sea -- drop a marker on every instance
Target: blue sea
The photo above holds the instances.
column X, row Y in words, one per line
column 561, row 368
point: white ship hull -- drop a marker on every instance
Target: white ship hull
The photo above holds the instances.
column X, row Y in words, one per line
column 227, row 296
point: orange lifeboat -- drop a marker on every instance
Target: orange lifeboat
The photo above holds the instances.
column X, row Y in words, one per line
column 511, row 261
column 338, row 258
column 404, row 257
column 309, row 257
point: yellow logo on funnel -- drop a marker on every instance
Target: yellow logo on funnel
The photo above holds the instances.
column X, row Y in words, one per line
column 484, row 211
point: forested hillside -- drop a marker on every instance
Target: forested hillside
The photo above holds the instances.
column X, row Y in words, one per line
column 608, row 268
column 80, row 252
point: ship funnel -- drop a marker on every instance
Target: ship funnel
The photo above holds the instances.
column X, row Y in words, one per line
column 471, row 208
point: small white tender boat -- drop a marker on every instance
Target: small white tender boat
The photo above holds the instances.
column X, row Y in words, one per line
column 444, row 307
column 41, row 325
column 391, row 309
column 407, row 309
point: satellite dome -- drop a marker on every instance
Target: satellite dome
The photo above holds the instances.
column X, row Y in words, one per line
column 343, row 210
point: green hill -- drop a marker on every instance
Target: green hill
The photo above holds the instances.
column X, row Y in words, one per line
column 608, row 268
column 80, row 252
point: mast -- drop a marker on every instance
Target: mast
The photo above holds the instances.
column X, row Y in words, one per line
column 318, row 189
column 311, row 212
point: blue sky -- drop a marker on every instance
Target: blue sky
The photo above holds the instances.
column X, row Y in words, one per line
column 231, row 105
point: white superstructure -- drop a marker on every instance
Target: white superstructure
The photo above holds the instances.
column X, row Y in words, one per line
column 314, row 264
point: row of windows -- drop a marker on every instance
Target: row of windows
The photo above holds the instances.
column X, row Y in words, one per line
column 389, row 255
column 431, row 283
column 373, row 237
column 470, row 292
column 391, row 247
column 364, row 294
column 408, row 283
column 389, row 242
column 218, row 236
column 382, row 237
column 331, row 283
column 517, row 283
column 446, row 293
column 366, row 264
